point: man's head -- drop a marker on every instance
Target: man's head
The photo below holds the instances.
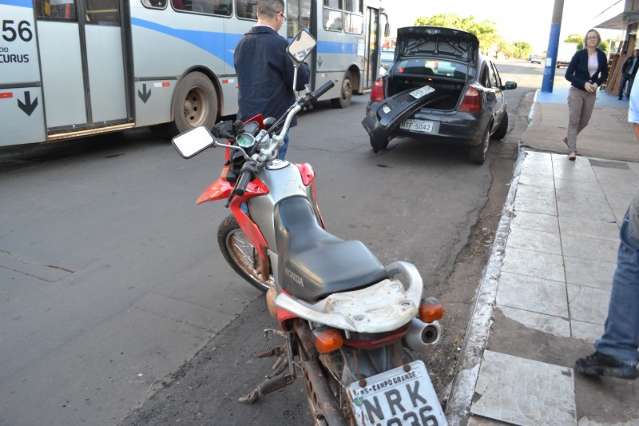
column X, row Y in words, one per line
column 271, row 13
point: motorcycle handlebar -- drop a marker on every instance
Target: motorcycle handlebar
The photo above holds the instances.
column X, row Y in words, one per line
column 322, row 89
column 245, row 177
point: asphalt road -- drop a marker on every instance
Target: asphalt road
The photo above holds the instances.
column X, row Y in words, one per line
column 113, row 293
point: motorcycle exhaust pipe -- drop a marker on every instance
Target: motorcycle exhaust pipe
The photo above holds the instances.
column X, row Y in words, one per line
column 421, row 335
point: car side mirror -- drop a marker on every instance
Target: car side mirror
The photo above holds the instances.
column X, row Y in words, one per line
column 510, row 85
column 301, row 46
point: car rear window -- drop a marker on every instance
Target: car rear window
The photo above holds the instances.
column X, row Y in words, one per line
column 433, row 67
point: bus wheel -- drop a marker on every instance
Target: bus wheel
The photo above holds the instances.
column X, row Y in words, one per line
column 195, row 102
column 346, row 94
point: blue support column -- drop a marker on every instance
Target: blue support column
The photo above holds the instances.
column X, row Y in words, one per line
column 553, row 47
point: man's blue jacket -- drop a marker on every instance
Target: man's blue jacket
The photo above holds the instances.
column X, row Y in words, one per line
column 265, row 74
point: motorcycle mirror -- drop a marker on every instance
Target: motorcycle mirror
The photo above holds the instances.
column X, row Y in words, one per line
column 191, row 143
column 301, row 46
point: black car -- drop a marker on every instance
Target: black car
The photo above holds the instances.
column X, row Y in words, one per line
column 439, row 88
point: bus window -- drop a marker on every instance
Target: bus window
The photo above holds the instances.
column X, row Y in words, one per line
column 246, row 9
column 211, row 7
column 296, row 21
column 103, row 12
column 333, row 19
column 59, row 10
column 333, row 4
column 154, row 4
column 353, row 23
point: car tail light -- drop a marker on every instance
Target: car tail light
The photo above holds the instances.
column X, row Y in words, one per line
column 430, row 310
column 471, row 101
column 377, row 93
column 328, row 340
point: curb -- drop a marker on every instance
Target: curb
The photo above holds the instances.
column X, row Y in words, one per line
column 531, row 114
column 478, row 329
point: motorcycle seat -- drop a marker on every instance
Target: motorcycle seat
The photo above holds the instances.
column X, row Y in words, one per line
column 313, row 263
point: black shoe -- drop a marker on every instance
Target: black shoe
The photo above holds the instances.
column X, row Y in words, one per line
column 599, row 364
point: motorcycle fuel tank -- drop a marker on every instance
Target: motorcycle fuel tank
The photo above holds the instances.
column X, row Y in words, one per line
column 283, row 180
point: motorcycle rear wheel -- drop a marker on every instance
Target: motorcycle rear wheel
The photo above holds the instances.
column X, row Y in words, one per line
column 240, row 253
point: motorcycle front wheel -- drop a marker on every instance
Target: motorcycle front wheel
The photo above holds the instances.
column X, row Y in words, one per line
column 240, row 253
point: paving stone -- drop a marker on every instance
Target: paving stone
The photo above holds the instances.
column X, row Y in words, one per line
column 590, row 248
column 536, row 200
column 586, row 331
column 589, row 228
column 524, row 392
column 536, row 222
column 534, row 240
column 546, row 323
column 619, row 202
column 617, row 180
column 589, row 205
column 590, row 273
column 532, row 294
column 534, row 264
column 481, row 421
column 579, row 171
column 588, row 304
column 543, row 181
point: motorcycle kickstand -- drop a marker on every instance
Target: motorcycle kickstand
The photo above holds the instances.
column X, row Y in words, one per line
column 275, row 381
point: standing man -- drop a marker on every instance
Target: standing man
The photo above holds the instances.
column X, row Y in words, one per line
column 628, row 72
column 616, row 351
column 264, row 69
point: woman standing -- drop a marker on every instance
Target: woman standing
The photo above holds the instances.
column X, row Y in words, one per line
column 588, row 69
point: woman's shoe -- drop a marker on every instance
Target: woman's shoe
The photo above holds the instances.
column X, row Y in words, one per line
column 572, row 156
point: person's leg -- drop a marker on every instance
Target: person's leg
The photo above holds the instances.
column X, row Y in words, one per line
column 622, row 86
column 616, row 351
column 586, row 110
column 575, row 104
column 283, row 149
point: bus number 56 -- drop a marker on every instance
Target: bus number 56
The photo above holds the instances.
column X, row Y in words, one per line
column 9, row 32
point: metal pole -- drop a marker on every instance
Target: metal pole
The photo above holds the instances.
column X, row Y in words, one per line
column 553, row 44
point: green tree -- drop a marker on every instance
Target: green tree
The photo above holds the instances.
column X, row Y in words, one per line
column 522, row 49
column 485, row 31
column 575, row 38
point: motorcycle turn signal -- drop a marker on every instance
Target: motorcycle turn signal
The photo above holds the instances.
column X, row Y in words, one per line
column 431, row 310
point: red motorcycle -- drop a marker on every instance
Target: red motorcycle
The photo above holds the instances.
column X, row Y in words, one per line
column 351, row 326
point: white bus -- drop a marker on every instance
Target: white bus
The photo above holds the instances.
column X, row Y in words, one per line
column 72, row 68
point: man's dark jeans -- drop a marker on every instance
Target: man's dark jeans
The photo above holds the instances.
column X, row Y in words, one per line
column 621, row 335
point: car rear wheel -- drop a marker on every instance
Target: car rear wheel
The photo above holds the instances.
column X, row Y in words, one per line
column 501, row 131
column 477, row 154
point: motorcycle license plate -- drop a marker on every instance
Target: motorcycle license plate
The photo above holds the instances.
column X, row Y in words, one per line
column 422, row 126
column 397, row 397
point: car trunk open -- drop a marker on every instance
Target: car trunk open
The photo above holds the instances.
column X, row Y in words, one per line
column 442, row 58
column 446, row 96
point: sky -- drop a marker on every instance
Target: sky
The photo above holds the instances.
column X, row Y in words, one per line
column 516, row 20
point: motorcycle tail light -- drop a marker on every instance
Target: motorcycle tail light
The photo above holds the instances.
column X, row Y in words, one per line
column 377, row 92
column 471, row 101
column 430, row 310
column 328, row 340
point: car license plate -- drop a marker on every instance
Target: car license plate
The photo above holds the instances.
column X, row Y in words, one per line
column 397, row 397
column 421, row 92
column 422, row 126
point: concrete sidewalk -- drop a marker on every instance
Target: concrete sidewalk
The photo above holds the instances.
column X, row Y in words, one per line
column 544, row 297
column 608, row 134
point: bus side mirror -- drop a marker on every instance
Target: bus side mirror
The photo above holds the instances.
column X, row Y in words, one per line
column 387, row 30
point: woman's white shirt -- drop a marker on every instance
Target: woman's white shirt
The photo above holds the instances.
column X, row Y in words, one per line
column 593, row 63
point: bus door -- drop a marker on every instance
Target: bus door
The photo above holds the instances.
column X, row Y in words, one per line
column 301, row 15
column 372, row 50
column 82, row 50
